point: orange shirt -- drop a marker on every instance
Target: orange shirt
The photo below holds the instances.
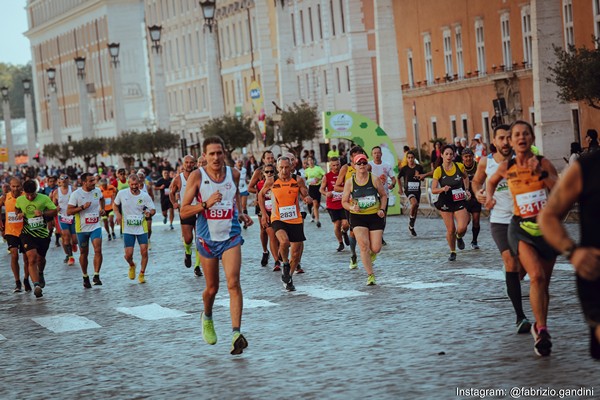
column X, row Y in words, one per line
column 285, row 202
column 12, row 225
column 108, row 195
column 528, row 191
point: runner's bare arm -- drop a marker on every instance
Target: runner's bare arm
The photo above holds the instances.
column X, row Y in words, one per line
column 383, row 197
column 238, row 199
column 339, row 183
column 477, row 184
column 303, row 190
column 323, row 188
column 552, row 176
column 255, row 178
column 346, row 203
column 173, row 189
column 261, row 195
column 192, row 187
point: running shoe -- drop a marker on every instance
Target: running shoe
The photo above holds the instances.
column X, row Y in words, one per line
column 474, row 246
column 299, row 269
column 452, row 256
column 412, row 230
column 71, row 261
column 238, row 344
column 172, row 227
column 265, row 259
column 27, row 285
column 17, row 288
column 290, row 286
column 42, row 280
column 57, row 244
column 66, row 260
column 285, row 275
column 96, row 280
column 542, row 344
column 277, row 266
column 346, row 238
column 188, row 261
column 165, row 220
column 353, row 262
column 197, row 271
column 371, row 280
column 341, row 247
column 208, row 330
column 149, row 245
column 114, row 236
column 460, row 243
column 141, row 278
column 523, row 326
column 132, row 272
column 109, row 238
column 383, row 243
column 318, row 224
column 38, row 291
column 86, row 282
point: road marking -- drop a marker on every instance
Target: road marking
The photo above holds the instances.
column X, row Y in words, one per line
column 248, row 303
column 494, row 274
column 426, row 285
column 563, row 267
column 2, row 337
column 66, row 323
column 328, row 293
column 151, row 312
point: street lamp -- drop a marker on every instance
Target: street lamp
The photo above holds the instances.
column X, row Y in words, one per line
column 155, row 31
column 51, row 76
column 4, row 91
column 54, row 112
column 80, row 63
column 26, row 85
column 113, row 49
column 84, row 108
column 208, row 11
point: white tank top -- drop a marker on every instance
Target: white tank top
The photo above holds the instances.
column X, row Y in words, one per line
column 503, row 210
column 63, row 200
column 182, row 190
column 219, row 222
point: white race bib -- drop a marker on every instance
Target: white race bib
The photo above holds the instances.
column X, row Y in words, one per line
column 221, row 210
column 167, row 191
column 91, row 218
column 66, row 219
column 269, row 205
column 12, row 218
column 36, row 222
column 458, row 194
column 108, row 201
column 531, row 203
column 366, row 201
column 336, row 196
column 134, row 220
column 288, row 213
column 414, row 186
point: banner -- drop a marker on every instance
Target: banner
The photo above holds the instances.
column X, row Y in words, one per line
column 258, row 106
column 3, row 154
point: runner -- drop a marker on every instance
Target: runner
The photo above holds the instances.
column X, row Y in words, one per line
column 385, row 172
column 266, row 206
column 411, row 173
column 334, row 204
column 579, row 184
column 500, row 217
column 146, row 186
column 239, row 166
column 176, row 192
column 35, row 237
column 450, row 182
column 366, row 199
column 285, row 218
column 47, row 190
column 529, row 179
column 163, row 185
column 218, row 235
column 314, row 175
column 134, row 207
column 12, row 230
column 472, row 205
column 60, row 197
column 108, row 192
column 87, row 205
column 267, row 158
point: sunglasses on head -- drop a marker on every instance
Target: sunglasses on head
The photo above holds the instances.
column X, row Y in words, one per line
column 362, row 163
column 270, row 171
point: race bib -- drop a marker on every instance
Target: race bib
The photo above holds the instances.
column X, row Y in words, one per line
column 167, row 190
column 288, row 213
column 414, row 186
column 66, row 219
column 366, row 201
column 531, row 203
column 107, row 201
column 134, row 220
column 458, row 194
column 336, row 196
column 221, row 210
column 91, row 218
column 269, row 205
column 36, row 222
column 12, row 218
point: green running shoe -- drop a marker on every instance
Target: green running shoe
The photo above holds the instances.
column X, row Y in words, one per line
column 238, row 344
column 353, row 262
column 208, row 330
column 371, row 280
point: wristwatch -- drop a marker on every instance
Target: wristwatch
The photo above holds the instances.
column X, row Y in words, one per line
column 568, row 253
column 204, row 205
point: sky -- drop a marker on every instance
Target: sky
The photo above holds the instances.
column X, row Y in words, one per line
column 14, row 46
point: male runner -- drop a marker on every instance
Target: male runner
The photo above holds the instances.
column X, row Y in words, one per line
column 334, row 204
column 60, row 197
column 267, row 159
column 473, row 206
column 385, row 173
column 48, row 189
column 163, row 185
column 218, row 235
column 108, row 192
column 411, row 174
column 87, row 205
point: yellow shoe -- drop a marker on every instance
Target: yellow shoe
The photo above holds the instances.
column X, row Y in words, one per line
column 141, row 278
column 132, row 272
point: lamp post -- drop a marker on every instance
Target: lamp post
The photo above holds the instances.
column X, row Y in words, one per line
column 215, row 86
column 8, row 125
column 31, row 142
column 56, row 134
column 160, row 98
column 84, row 106
column 119, row 110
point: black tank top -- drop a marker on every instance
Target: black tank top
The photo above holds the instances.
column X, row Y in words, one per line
column 589, row 211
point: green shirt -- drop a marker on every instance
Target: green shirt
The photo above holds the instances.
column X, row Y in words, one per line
column 35, row 226
column 314, row 175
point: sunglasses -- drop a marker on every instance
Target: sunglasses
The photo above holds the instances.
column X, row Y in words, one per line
column 269, row 172
column 361, row 163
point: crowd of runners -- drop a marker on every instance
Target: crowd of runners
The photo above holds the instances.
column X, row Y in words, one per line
column 212, row 200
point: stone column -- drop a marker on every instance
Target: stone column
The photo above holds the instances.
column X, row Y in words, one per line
column 31, row 142
column 8, row 131
column 54, row 112
column 288, row 84
column 84, row 109
column 119, row 113
column 213, row 61
column 160, row 91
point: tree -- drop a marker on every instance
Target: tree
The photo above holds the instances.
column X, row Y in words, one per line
column 299, row 123
column 12, row 76
column 155, row 142
column 235, row 132
column 126, row 145
column 88, row 149
column 576, row 74
column 60, row 152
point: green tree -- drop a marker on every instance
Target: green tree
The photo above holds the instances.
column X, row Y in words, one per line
column 299, row 122
column 156, row 142
column 88, row 149
column 576, row 74
column 58, row 151
column 126, row 146
column 235, row 132
column 12, row 76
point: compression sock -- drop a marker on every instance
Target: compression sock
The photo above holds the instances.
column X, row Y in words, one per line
column 197, row 259
column 412, row 221
column 188, row 248
column 476, row 230
column 513, row 289
column 353, row 245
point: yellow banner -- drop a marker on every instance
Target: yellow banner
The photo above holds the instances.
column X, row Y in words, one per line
column 258, row 106
column 3, row 154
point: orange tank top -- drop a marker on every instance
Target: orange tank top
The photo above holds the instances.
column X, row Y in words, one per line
column 285, row 202
column 528, row 191
column 108, row 194
column 13, row 225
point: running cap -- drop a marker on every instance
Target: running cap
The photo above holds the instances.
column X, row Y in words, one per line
column 359, row 157
column 477, row 137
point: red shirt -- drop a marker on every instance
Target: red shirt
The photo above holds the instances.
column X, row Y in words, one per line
column 334, row 202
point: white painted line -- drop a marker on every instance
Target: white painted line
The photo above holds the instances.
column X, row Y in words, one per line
column 479, row 273
column 151, row 312
column 563, row 267
column 248, row 303
column 327, row 293
column 427, row 285
column 66, row 323
column 2, row 337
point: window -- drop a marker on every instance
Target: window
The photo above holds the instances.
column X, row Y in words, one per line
column 235, row 40
column 597, row 18
column 411, row 71
column 294, row 30
column 332, row 18
column 527, row 36
column 310, row 25
column 465, row 126
column 348, row 78
column 568, row 23
column 342, row 16
column 434, row 133
column 453, row 126
column 299, row 86
column 339, row 85
column 448, row 53
column 320, row 21
column 302, row 27
column 505, row 31
column 428, row 59
column 480, row 45
column 575, row 117
column 485, row 120
column 307, row 87
column 460, row 64
column 325, row 82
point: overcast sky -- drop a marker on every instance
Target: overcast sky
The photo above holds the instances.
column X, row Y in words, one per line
column 14, row 46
